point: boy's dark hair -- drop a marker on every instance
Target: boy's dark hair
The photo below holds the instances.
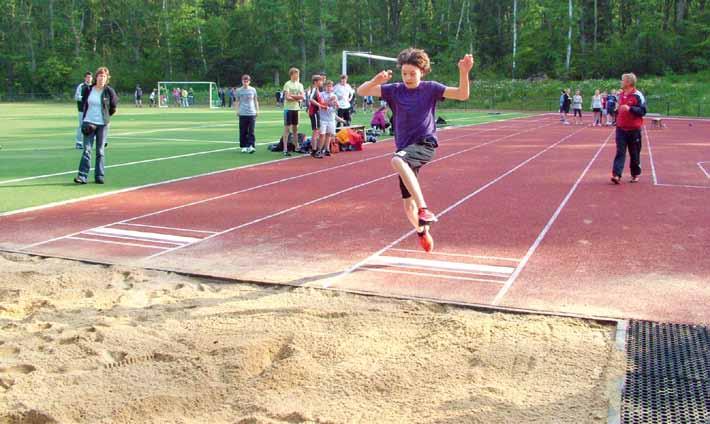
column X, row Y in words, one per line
column 414, row 57
column 316, row 77
column 246, row 76
column 87, row 73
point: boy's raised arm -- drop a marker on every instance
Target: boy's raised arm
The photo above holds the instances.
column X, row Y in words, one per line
column 462, row 92
column 374, row 86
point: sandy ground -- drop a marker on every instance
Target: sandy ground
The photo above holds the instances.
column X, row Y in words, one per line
column 95, row 344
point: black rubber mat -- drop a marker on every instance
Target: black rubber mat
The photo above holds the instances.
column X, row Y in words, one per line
column 667, row 375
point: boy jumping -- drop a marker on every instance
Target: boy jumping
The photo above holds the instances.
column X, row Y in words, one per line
column 413, row 103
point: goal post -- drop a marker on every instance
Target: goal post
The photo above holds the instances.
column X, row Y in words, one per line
column 367, row 55
column 187, row 94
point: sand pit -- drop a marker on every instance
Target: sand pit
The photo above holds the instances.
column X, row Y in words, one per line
column 93, row 344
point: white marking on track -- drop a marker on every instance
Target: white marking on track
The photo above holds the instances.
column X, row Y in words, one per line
column 506, row 287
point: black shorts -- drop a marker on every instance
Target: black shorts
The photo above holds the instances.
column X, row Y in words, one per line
column 416, row 156
column 565, row 109
column 291, row 117
column 597, row 110
column 578, row 112
column 315, row 121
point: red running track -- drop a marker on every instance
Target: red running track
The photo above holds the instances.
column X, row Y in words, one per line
column 527, row 220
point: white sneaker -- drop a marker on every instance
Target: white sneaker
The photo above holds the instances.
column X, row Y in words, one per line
column 566, row 122
column 251, row 150
column 244, row 149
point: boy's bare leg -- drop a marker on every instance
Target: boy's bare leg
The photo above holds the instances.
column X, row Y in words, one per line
column 412, row 212
column 285, row 137
column 410, row 181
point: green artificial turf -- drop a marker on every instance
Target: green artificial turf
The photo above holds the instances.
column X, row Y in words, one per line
column 37, row 140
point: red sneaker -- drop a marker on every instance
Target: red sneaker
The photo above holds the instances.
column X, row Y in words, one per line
column 426, row 216
column 426, row 241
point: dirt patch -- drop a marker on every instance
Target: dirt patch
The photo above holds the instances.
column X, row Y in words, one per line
column 95, row 344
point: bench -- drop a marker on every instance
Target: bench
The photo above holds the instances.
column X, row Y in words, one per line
column 656, row 120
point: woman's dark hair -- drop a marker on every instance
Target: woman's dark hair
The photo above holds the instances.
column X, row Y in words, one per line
column 414, row 57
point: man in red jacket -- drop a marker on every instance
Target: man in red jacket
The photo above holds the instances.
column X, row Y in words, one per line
column 632, row 108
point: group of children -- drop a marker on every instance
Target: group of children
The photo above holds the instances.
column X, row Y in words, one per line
column 604, row 106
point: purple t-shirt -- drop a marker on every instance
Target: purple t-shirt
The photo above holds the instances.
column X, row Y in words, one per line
column 414, row 110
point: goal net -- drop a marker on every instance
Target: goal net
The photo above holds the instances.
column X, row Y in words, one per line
column 187, row 94
column 367, row 55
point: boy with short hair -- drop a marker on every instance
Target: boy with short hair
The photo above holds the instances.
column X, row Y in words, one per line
column 413, row 102
column 293, row 93
column 248, row 110
column 313, row 98
column 328, row 107
column 345, row 94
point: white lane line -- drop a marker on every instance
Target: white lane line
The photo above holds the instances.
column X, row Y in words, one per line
column 440, row 265
column 117, row 242
column 702, row 168
column 503, row 291
column 284, row 211
column 650, row 156
column 159, row 183
column 424, row 274
column 144, row 235
column 450, row 208
column 119, row 165
column 170, row 228
column 495, row 258
column 273, row 183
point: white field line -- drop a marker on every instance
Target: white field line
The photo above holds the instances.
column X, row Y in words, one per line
column 508, row 284
column 119, row 165
column 683, row 186
column 702, row 168
column 117, row 242
column 424, row 274
column 290, row 209
column 354, row 267
column 159, row 183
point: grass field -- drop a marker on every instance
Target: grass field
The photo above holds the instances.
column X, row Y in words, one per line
column 38, row 160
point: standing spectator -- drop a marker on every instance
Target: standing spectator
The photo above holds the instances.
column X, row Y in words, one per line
column 604, row 111
column 98, row 105
column 248, row 110
column 344, row 92
column 78, row 95
column 138, row 96
column 152, row 97
column 562, row 103
column 367, row 103
column 183, row 96
column 611, row 102
column 597, row 108
column 232, row 96
column 314, row 105
column 632, row 108
column 329, row 105
column 190, row 97
column 566, row 102
column 293, row 94
column 577, row 102
column 220, row 94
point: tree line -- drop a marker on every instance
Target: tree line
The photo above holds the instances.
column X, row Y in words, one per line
column 45, row 45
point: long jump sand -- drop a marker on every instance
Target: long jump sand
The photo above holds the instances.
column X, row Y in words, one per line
column 95, row 344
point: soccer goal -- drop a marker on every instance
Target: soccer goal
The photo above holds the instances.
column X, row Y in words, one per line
column 367, row 55
column 187, row 94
